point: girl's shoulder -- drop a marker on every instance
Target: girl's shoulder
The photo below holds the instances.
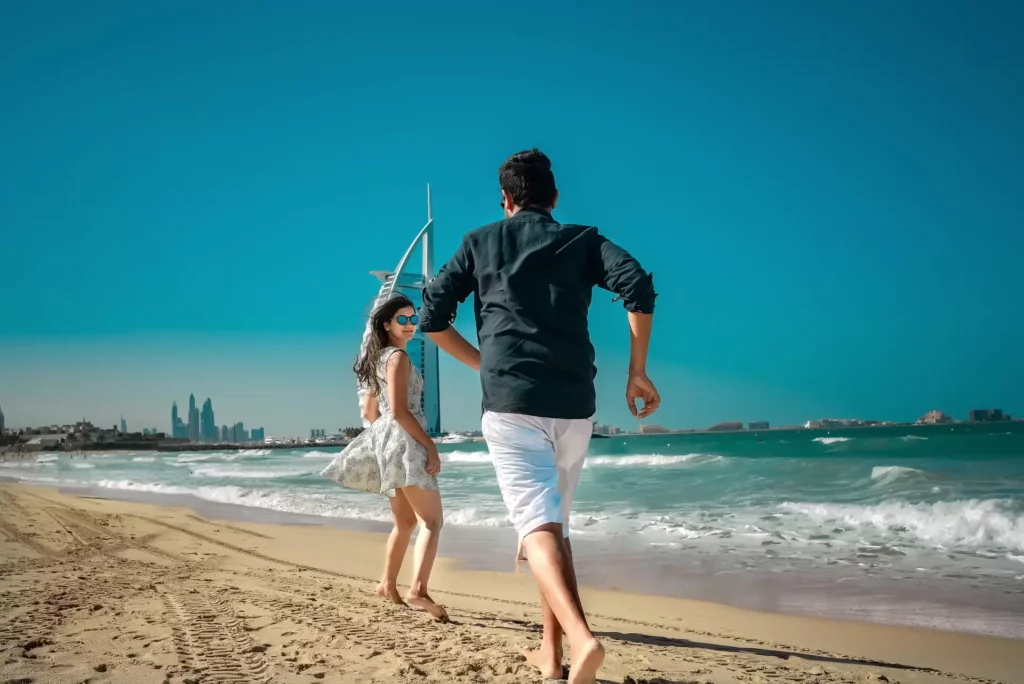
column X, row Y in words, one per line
column 386, row 355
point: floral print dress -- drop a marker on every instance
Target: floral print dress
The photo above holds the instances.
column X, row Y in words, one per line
column 384, row 457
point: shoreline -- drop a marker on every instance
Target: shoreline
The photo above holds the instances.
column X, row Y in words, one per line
column 147, row 593
column 615, row 565
column 167, row 447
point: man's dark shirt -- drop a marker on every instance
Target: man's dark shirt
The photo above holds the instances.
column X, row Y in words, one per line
column 533, row 279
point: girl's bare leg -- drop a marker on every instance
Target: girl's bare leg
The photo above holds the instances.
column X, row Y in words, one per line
column 398, row 542
column 427, row 505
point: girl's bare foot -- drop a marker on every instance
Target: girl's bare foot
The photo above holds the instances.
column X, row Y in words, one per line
column 390, row 592
column 424, row 602
column 586, row 661
column 546, row 660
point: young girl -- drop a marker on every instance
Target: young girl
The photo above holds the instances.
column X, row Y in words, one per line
column 395, row 456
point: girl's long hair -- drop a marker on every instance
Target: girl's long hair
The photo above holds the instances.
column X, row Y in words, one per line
column 366, row 366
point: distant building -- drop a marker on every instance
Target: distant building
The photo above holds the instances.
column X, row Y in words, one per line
column 731, row 426
column 757, row 425
column 178, row 428
column 257, row 435
column 44, row 442
column 238, row 434
column 652, row 430
column 193, row 419
column 124, row 426
column 606, row 430
column 1, row 422
column 317, row 434
column 225, row 434
column 988, row 416
column 208, row 424
column 836, row 423
column 934, row 418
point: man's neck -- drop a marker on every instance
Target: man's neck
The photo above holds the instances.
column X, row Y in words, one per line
column 539, row 209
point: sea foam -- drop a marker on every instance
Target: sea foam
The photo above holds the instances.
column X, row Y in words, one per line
column 973, row 524
column 831, row 440
column 651, row 460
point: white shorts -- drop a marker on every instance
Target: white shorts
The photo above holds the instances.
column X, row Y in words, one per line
column 538, row 462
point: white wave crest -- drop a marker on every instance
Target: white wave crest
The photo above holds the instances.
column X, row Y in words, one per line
column 138, row 486
column 472, row 517
column 211, row 456
column 303, row 503
column 466, row 457
column 254, row 452
column 973, row 524
column 82, row 466
column 831, row 440
column 241, row 472
column 893, row 473
column 144, row 459
column 32, row 465
column 913, row 438
column 651, row 460
column 318, row 454
column 47, row 458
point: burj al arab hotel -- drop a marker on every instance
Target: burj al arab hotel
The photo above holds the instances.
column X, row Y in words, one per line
column 422, row 352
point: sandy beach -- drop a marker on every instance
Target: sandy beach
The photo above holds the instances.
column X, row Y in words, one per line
column 94, row 590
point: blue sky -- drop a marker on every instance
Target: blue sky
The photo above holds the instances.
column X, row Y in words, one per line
column 829, row 195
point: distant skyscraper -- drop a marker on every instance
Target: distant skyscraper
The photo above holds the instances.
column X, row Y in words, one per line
column 178, row 428
column 225, row 435
column 124, row 426
column 207, row 422
column 257, row 434
column 238, row 434
column 193, row 419
column 1, row 422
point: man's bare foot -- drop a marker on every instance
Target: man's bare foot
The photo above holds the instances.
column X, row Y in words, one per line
column 586, row 661
column 390, row 592
column 546, row 660
column 424, row 602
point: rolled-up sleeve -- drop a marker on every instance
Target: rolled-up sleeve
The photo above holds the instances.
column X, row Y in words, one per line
column 443, row 294
column 617, row 271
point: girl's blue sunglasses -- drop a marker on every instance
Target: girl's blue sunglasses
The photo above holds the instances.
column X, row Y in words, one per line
column 405, row 320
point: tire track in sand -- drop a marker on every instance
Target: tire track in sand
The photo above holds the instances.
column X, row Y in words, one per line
column 211, row 640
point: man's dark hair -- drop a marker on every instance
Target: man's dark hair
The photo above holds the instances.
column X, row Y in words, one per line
column 527, row 177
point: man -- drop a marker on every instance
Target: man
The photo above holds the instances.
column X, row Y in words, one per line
column 533, row 279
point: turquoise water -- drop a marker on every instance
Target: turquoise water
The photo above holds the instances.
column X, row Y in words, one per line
column 943, row 503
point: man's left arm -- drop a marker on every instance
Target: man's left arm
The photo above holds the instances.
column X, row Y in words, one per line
column 441, row 299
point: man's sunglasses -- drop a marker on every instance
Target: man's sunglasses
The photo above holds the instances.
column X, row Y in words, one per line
column 405, row 320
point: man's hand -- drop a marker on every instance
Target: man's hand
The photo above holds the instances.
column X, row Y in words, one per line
column 452, row 342
column 640, row 386
column 433, row 461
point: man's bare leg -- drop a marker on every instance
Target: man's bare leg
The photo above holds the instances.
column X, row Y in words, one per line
column 552, row 569
column 548, row 658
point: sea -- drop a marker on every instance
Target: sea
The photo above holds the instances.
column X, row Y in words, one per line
column 917, row 525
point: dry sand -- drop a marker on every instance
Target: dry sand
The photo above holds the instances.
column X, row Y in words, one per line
column 96, row 591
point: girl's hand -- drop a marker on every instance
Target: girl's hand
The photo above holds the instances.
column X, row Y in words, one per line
column 433, row 460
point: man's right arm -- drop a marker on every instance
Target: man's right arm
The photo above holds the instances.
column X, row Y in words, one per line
column 614, row 269
column 441, row 298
